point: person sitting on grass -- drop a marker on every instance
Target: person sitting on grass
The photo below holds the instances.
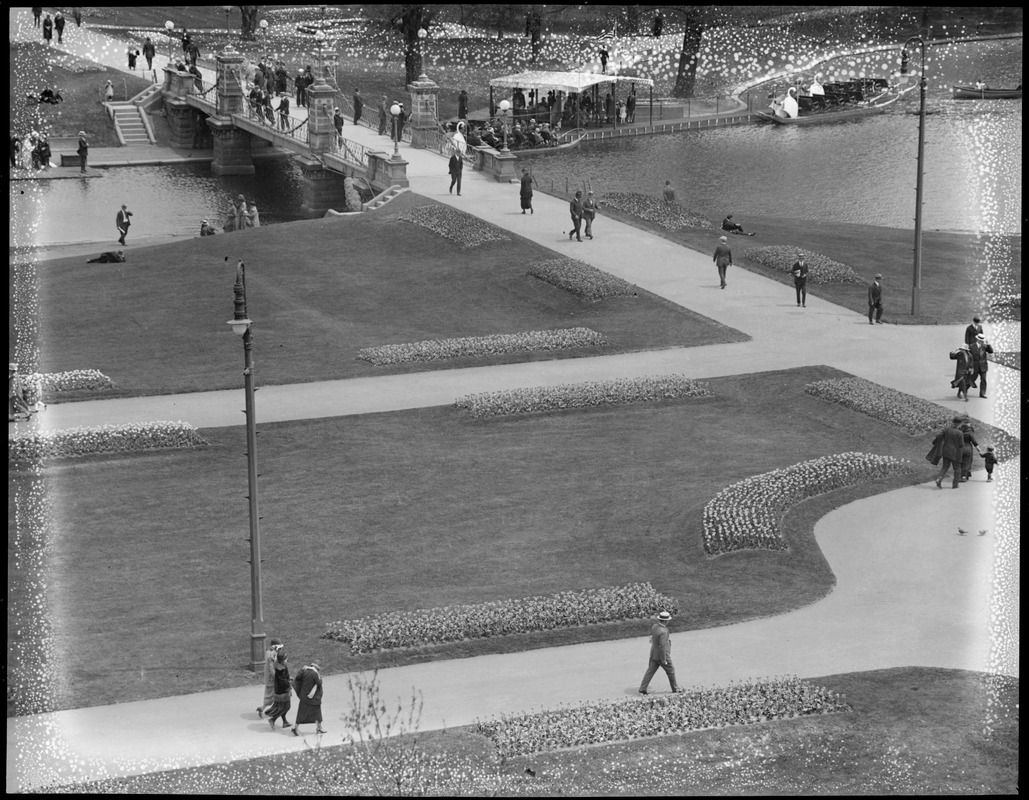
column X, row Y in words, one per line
column 110, row 257
column 732, row 227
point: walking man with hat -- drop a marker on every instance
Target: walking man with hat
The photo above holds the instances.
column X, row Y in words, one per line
column 980, row 362
column 660, row 653
column 971, row 332
column 875, row 300
column 722, row 258
column 83, row 151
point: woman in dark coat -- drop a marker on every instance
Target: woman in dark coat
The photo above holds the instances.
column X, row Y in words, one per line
column 963, row 370
column 525, row 193
column 281, row 697
column 308, row 685
column 48, row 29
column 969, row 442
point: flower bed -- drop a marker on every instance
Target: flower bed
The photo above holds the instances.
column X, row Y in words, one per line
column 915, row 415
column 104, row 439
column 600, row 722
column 73, row 380
column 431, row 626
column 671, row 216
column 582, row 395
column 466, row 230
column 581, row 279
column 820, row 268
column 437, row 349
column 747, row 514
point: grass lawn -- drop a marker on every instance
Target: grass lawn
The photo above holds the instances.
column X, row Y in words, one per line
column 81, row 83
column 912, row 731
column 952, row 264
column 319, row 291
column 398, row 511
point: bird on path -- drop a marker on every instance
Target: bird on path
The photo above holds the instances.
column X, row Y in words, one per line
column 982, row 533
column 962, row 531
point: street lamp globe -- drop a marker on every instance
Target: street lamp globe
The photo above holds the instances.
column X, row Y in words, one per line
column 394, row 109
column 264, row 26
column 504, row 106
column 422, row 33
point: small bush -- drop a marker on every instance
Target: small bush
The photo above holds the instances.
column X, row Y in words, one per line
column 438, row 349
column 72, row 442
column 670, row 216
column 464, row 229
column 820, row 268
column 581, row 279
column 582, row 395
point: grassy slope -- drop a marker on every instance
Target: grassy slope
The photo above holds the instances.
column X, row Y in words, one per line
column 32, row 69
column 427, row 508
column 320, row 291
column 912, row 731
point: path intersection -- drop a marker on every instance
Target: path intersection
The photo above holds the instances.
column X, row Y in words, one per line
column 881, row 614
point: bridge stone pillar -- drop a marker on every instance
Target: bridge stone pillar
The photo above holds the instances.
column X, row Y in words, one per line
column 176, row 83
column 323, row 189
column 424, row 118
column 321, row 133
column 180, row 116
column 231, row 148
column 231, row 97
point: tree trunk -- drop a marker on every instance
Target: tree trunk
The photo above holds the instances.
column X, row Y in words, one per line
column 249, row 22
column 691, row 38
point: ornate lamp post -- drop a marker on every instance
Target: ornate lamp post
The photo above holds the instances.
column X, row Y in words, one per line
column 319, row 42
column 226, row 10
column 169, row 28
column 394, row 111
column 504, row 107
column 916, row 278
column 241, row 327
column 264, row 29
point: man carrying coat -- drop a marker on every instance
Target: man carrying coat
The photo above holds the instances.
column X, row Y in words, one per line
column 661, row 653
column 952, row 442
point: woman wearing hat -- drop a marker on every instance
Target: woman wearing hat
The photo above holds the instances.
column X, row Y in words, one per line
column 206, row 229
column 242, row 214
column 308, row 685
column 963, row 371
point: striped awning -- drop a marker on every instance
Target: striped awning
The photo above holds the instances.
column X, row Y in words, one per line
column 563, row 81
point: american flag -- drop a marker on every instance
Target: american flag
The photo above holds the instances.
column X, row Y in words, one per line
column 604, row 39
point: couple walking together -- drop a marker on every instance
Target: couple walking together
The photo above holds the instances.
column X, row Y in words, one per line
column 277, row 690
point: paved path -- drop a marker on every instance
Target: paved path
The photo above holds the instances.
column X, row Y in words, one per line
column 883, row 612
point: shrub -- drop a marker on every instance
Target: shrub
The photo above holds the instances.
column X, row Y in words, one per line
column 915, row 415
column 103, row 439
column 581, row 279
column 820, row 268
column 73, row 380
column 600, row 722
column 747, row 514
column 436, row 349
column 582, row 395
column 671, row 216
column 431, row 626
column 466, row 230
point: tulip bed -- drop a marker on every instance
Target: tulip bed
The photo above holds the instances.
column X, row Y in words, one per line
column 820, row 268
column 464, row 229
column 73, row 380
column 581, row 279
column 747, row 514
column 438, row 349
column 72, row 442
column 670, row 216
column 582, row 395
column 598, row 722
column 431, row 626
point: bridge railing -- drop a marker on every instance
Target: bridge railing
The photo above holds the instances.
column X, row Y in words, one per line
column 354, row 152
column 291, row 126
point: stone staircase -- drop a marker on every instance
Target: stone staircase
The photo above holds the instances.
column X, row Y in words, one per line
column 381, row 199
column 130, row 123
column 148, row 99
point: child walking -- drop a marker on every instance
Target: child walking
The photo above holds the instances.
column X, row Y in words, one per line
column 990, row 459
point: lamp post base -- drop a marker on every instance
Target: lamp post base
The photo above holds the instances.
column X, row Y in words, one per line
column 916, row 300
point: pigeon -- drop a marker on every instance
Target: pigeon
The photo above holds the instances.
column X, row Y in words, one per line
column 982, row 533
column 962, row 531
column 530, row 772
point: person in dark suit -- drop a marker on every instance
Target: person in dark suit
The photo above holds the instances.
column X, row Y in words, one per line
column 968, row 442
column 660, row 653
column 121, row 221
column 800, row 271
column 462, row 105
column 722, row 258
column 979, row 348
column 963, row 370
column 456, row 168
column 952, row 442
column 971, row 332
column 589, row 212
column 575, row 209
column 308, row 686
column 83, row 151
column 875, row 300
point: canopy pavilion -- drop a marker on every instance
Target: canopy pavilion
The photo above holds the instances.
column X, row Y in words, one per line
column 577, row 93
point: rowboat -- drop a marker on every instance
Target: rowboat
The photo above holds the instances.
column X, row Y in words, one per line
column 985, row 93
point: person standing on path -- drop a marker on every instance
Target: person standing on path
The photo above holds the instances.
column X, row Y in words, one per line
column 37, row 12
column 270, row 655
column 299, row 88
column 525, row 192
column 383, row 116
column 284, row 112
column 308, row 686
column 980, row 362
column 963, row 370
column 59, row 27
column 660, row 654
column 575, row 208
column 971, row 332
column 48, row 29
column 800, row 272
column 967, row 445
column 83, row 151
column 76, row 12
column 148, row 53
column 669, row 192
column 589, row 212
column 121, row 222
column 456, row 167
column 359, row 107
column 337, row 121
column 875, row 300
column 722, row 258
column 951, row 442
column 253, row 216
column 281, row 697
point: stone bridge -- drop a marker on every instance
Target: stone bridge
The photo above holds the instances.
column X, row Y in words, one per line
column 324, row 158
